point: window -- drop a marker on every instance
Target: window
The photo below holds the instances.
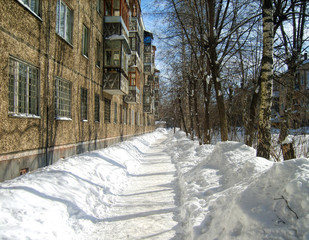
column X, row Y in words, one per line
column 302, row 79
column 133, row 43
column 307, row 79
column 33, row 5
column 132, row 112
column 85, row 45
column 132, row 79
column 121, row 114
column 116, row 7
column 97, row 108
column 147, row 58
column 108, row 7
column 64, row 21
column 125, row 115
column 129, row 116
column 107, row 110
column 99, row 6
column 136, row 118
column 83, row 104
column 63, row 92
column 98, row 54
column 23, row 88
column 115, row 113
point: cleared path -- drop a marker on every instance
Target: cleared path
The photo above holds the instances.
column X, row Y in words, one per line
column 148, row 207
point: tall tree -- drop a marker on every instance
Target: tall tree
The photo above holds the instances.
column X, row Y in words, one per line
column 290, row 18
column 264, row 124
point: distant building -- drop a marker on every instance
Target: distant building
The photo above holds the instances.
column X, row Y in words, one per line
column 300, row 107
column 75, row 77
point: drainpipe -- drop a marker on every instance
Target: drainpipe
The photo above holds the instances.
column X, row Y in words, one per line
column 48, row 29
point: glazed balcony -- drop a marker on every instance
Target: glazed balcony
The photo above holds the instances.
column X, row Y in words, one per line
column 134, row 95
column 147, row 102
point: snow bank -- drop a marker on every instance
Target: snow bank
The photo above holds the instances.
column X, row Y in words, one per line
column 228, row 193
column 65, row 200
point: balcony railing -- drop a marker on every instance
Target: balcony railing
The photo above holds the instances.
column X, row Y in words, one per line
column 115, row 83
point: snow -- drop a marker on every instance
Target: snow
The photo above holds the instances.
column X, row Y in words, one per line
column 160, row 186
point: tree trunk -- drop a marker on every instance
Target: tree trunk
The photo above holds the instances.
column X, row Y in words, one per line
column 264, row 134
column 214, row 67
column 207, row 89
column 182, row 116
column 250, row 128
column 196, row 117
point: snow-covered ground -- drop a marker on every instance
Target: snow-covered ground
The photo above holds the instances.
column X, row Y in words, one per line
column 160, row 186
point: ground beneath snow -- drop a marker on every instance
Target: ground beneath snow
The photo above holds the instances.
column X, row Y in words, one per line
column 147, row 208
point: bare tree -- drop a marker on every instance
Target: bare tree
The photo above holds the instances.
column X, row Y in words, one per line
column 264, row 125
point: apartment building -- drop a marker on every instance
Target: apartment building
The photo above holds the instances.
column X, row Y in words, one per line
column 300, row 99
column 72, row 78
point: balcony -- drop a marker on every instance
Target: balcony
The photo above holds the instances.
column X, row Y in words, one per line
column 116, row 57
column 147, row 102
column 114, row 25
column 134, row 95
column 115, row 83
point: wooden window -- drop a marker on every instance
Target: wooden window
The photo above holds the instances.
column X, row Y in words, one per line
column 107, row 110
column 97, row 108
column 23, row 88
column 84, row 104
column 64, row 21
column 63, row 92
column 85, row 44
column 132, row 79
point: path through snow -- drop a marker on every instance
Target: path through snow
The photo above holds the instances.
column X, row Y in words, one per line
column 147, row 209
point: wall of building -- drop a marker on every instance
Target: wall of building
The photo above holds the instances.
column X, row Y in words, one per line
column 33, row 142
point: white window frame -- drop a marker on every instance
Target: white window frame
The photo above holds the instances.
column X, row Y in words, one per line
column 21, row 95
column 67, row 21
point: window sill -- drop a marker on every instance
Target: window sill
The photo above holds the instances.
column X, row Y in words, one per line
column 84, row 120
column 29, row 9
column 63, row 39
column 85, row 56
column 63, row 119
column 23, row 115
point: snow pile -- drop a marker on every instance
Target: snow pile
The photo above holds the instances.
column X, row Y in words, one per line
column 224, row 192
column 228, row 193
column 66, row 200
